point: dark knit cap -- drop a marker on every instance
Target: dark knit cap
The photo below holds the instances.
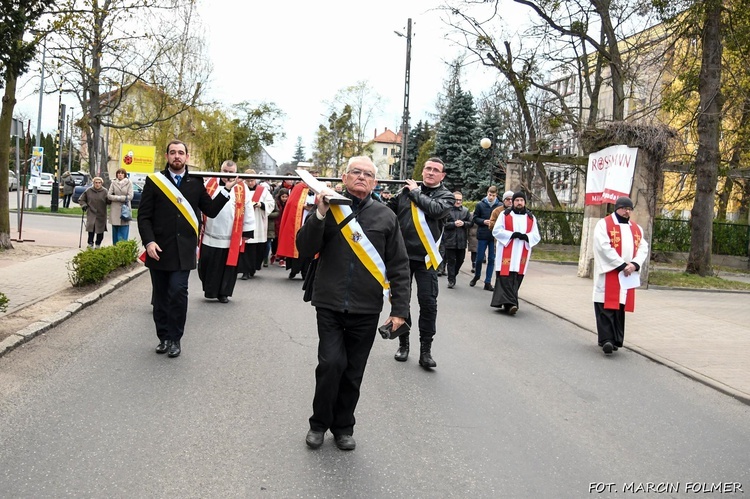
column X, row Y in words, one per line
column 623, row 202
column 519, row 194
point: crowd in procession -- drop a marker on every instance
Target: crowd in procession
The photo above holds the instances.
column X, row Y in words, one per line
column 354, row 257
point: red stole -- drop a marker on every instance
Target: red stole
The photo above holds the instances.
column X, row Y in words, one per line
column 237, row 242
column 258, row 193
column 612, row 278
column 508, row 250
column 291, row 221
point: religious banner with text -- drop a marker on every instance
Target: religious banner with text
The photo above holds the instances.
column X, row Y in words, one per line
column 610, row 174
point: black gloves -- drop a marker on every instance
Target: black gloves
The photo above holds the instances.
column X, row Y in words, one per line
column 519, row 235
column 84, row 208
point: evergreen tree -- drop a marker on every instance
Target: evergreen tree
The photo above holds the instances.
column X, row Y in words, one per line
column 299, row 151
column 457, row 144
column 418, row 135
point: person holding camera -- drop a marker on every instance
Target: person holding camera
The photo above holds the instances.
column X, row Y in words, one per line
column 362, row 261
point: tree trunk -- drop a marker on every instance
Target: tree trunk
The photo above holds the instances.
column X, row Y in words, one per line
column 707, row 156
column 6, row 120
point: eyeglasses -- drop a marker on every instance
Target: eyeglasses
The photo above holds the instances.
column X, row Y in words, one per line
column 357, row 173
column 430, row 169
column 625, row 208
column 459, row 200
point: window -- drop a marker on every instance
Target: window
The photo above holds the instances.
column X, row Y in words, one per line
column 385, row 151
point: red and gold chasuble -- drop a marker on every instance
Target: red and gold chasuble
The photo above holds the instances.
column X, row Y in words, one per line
column 508, row 250
column 612, row 278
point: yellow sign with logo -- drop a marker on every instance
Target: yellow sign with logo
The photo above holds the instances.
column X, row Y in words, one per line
column 137, row 159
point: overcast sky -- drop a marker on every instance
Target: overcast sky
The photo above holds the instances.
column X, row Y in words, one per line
column 299, row 54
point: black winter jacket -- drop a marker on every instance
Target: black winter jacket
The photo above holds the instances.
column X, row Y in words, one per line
column 161, row 221
column 482, row 212
column 342, row 283
column 436, row 202
column 457, row 237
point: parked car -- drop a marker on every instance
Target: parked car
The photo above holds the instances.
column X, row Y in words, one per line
column 12, row 181
column 137, row 190
column 46, row 183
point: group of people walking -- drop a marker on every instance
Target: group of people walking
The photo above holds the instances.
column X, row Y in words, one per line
column 362, row 254
column 506, row 228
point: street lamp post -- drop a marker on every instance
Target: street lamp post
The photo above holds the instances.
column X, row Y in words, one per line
column 490, row 142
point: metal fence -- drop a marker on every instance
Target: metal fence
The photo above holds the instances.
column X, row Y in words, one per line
column 670, row 234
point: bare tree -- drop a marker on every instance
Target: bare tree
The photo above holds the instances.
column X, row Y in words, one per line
column 107, row 49
column 365, row 104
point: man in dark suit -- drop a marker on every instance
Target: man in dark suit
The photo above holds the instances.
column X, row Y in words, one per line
column 169, row 224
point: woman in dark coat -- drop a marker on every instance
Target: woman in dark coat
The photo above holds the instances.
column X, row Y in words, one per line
column 94, row 203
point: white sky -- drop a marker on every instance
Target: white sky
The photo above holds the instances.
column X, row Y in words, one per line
column 299, row 54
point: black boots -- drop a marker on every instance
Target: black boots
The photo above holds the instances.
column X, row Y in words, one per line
column 403, row 349
column 425, row 356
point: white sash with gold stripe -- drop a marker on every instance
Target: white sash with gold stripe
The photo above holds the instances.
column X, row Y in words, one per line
column 362, row 247
column 432, row 258
column 174, row 195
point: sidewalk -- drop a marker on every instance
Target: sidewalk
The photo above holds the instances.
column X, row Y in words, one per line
column 702, row 334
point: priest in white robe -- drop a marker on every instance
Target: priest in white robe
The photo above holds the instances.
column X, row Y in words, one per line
column 222, row 240
column 516, row 232
column 255, row 249
column 619, row 250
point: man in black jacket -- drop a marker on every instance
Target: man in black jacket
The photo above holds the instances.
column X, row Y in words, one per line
column 362, row 260
column 456, row 237
column 169, row 222
column 421, row 212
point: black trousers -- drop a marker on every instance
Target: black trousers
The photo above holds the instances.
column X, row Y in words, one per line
column 170, row 300
column 427, row 292
column 610, row 324
column 454, row 259
column 99, row 238
column 345, row 341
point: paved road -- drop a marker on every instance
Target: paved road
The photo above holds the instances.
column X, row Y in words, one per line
column 518, row 407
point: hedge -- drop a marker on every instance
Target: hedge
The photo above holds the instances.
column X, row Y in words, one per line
column 93, row 265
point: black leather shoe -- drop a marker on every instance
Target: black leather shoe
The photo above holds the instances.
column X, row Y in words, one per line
column 162, row 347
column 345, row 442
column 451, row 284
column 608, row 348
column 174, row 349
column 314, row 439
column 245, row 276
column 426, row 360
column 223, row 299
column 402, row 354
column 488, row 287
column 473, row 281
column 512, row 310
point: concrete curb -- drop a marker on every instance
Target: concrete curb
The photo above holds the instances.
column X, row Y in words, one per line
column 43, row 325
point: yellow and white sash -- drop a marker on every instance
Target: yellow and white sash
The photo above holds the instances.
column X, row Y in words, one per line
column 174, row 195
column 432, row 258
column 362, row 247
